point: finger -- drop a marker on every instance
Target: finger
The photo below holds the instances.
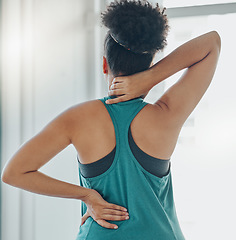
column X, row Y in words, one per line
column 115, row 212
column 116, row 86
column 116, row 80
column 117, row 207
column 114, row 217
column 115, row 92
column 117, row 100
column 84, row 218
column 106, row 224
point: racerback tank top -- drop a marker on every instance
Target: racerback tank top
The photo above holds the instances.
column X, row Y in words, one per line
column 158, row 167
column 148, row 198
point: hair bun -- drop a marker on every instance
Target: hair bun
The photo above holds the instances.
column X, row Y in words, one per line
column 137, row 25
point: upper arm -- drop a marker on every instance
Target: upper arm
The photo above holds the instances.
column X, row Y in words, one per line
column 37, row 151
column 183, row 96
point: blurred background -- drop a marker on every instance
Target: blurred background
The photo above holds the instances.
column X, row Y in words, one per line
column 51, row 59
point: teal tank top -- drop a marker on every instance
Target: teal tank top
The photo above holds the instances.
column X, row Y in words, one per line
column 148, row 198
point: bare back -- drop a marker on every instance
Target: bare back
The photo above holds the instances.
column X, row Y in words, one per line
column 150, row 131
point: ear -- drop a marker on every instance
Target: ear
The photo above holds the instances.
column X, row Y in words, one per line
column 105, row 65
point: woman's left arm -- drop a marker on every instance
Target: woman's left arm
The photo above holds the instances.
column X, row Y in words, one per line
column 22, row 170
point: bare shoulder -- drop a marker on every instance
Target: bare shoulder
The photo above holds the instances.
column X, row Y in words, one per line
column 153, row 132
column 82, row 115
column 155, row 119
column 158, row 113
column 84, row 109
column 160, row 117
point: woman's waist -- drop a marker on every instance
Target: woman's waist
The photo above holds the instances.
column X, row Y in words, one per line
column 136, row 227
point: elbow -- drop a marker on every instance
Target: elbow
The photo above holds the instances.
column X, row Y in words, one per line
column 217, row 40
column 7, row 177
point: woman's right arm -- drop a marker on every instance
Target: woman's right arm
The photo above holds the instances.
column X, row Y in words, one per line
column 199, row 56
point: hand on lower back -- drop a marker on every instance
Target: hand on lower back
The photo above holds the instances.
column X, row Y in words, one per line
column 129, row 87
column 100, row 210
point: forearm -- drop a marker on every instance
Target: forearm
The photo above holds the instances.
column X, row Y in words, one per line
column 185, row 56
column 38, row 182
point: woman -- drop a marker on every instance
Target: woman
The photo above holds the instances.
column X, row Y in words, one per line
column 124, row 143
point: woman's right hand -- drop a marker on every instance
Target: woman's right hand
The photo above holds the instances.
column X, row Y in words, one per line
column 100, row 210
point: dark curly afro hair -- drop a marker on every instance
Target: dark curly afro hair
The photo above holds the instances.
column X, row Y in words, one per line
column 136, row 31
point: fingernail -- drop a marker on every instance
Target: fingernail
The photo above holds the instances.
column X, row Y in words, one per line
column 116, row 227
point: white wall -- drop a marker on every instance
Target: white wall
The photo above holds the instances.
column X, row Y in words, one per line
column 48, row 59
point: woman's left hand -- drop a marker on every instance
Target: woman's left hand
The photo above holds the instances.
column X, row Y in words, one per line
column 129, row 87
column 101, row 210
